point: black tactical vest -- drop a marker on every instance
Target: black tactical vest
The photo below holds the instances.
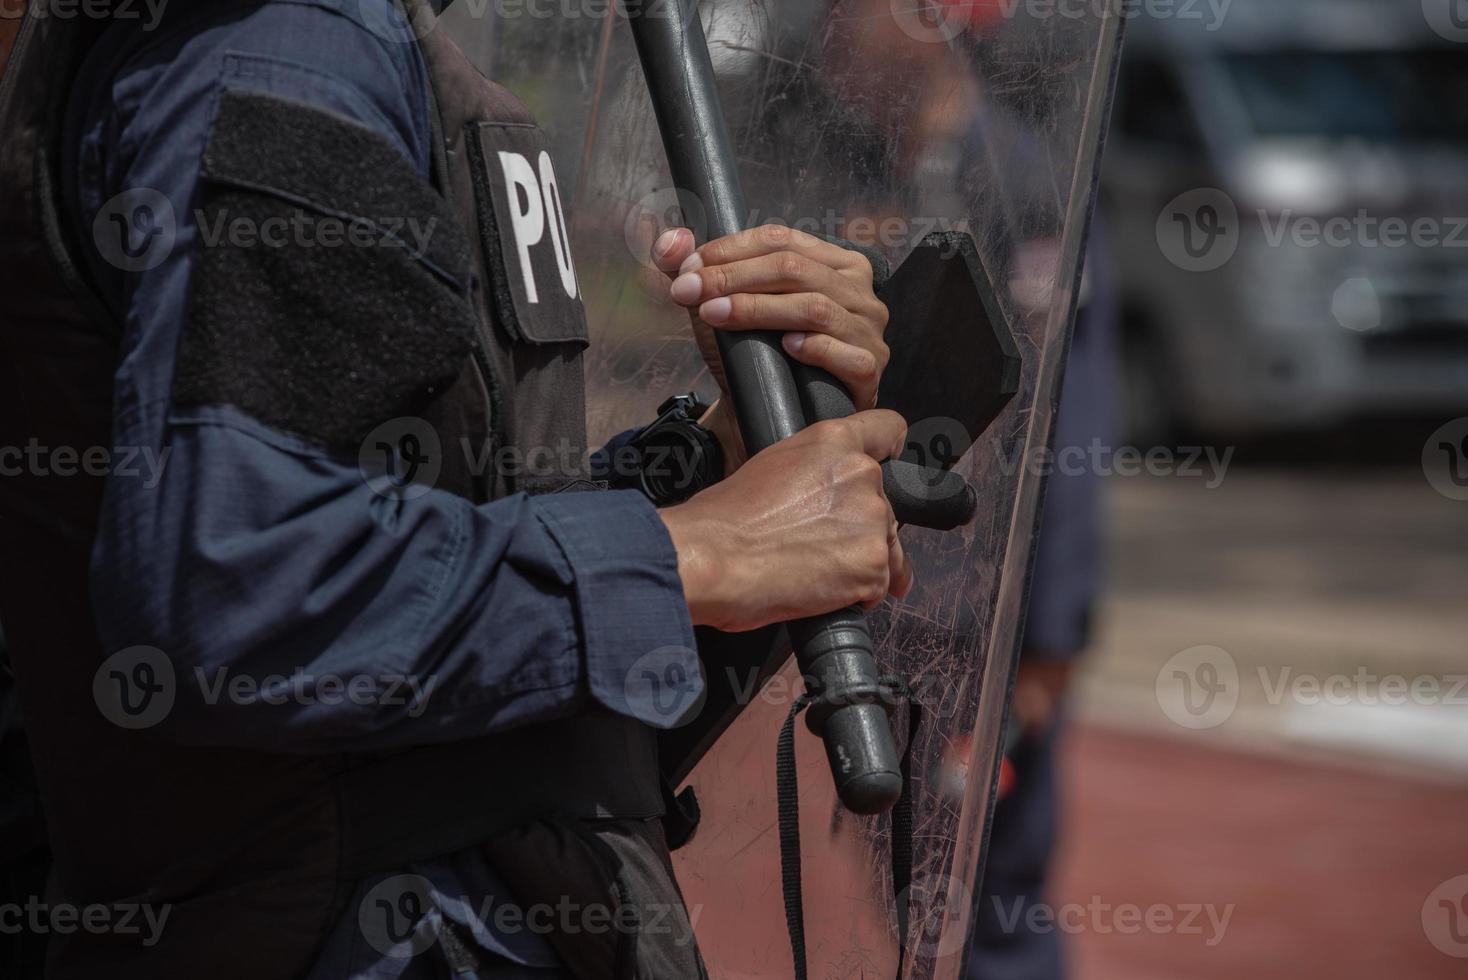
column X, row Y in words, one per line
column 255, row 852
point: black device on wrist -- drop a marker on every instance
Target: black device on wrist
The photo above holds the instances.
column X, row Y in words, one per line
column 676, row 456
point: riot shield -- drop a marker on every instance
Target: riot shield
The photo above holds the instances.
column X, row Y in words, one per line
column 971, row 127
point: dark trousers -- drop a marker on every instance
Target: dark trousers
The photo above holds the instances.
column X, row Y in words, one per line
column 1012, row 938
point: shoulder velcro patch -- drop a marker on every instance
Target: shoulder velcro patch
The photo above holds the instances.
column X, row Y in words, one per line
column 330, row 282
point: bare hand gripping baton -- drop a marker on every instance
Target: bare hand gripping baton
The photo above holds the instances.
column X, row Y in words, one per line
column 774, row 398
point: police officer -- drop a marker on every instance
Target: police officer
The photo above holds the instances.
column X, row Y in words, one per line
column 318, row 694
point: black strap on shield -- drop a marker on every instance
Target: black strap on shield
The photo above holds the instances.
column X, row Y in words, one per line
column 788, row 793
column 848, row 708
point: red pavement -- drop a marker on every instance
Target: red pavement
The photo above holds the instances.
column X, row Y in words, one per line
column 1327, row 868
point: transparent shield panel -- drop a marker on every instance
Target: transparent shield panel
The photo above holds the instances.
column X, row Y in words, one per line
column 878, row 121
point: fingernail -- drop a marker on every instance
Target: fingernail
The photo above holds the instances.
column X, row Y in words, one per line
column 687, row 288
column 793, row 341
column 716, row 310
column 665, row 242
column 693, row 263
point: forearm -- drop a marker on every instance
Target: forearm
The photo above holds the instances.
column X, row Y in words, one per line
column 301, row 612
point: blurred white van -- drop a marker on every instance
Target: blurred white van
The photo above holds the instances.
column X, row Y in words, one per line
column 1286, row 184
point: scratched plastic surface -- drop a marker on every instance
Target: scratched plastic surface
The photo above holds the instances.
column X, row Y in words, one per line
column 874, row 121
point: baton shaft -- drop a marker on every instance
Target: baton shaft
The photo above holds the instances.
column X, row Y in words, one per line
column 685, row 99
column 834, row 651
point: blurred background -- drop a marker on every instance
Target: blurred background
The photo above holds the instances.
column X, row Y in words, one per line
column 1260, row 728
column 1271, row 720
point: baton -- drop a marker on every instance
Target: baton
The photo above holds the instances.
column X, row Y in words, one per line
column 849, row 707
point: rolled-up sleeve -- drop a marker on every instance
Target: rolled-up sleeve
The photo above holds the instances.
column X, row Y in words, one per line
column 266, row 571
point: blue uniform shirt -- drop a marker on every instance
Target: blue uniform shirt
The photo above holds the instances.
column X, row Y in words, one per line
column 250, row 552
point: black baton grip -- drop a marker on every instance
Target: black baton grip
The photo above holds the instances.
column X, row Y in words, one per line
column 928, row 497
column 850, row 709
column 920, row 495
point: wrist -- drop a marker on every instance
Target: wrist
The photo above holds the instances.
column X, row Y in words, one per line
column 698, row 563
